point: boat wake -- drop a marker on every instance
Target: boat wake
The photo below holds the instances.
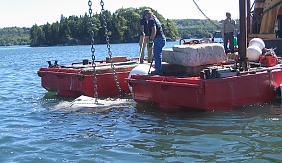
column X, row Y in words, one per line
column 88, row 105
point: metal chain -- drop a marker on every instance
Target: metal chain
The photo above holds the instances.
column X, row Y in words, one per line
column 93, row 52
column 109, row 47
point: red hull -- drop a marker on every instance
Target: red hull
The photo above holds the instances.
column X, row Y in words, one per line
column 209, row 94
column 73, row 82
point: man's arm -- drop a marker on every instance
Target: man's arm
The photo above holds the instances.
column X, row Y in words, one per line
column 222, row 29
column 154, row 32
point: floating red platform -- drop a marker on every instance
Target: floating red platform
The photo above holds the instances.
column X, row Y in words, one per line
column 171, row 92
column 77, row 79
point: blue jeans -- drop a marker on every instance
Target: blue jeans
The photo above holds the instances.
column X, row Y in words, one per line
column 230, row 37
column 159, row 43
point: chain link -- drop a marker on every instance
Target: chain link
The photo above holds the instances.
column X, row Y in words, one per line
column 109, row 47
column 93, row 52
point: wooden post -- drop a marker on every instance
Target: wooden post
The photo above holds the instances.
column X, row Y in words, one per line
column 242, row 46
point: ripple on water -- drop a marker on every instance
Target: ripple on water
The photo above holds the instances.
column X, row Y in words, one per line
column 31, row 130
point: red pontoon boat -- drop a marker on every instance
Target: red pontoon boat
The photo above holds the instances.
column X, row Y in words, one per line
column 249, row 87
column 77, row 79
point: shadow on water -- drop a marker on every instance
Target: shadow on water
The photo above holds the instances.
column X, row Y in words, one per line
column 271, row 108
column 154, row 110
column 213, row 121
column 51, row 101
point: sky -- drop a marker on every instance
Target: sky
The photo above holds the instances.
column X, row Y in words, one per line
column 26, row 13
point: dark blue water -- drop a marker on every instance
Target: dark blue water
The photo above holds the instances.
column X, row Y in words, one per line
column 31, row 130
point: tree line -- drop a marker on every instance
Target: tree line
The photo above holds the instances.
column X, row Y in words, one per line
column 122, row 25
column 14, row 36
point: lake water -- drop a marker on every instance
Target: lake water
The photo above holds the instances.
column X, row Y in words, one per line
column 31, row 130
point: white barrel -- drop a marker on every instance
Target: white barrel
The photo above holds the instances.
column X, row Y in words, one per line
column 141, row 69
column 253, row 53
column 257, row 42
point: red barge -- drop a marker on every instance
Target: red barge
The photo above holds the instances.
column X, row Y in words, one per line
column 169, row 92
column 77, row 79
column 221, row 85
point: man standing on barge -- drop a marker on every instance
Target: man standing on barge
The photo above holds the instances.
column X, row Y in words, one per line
column 158, row 39
column 228, row 30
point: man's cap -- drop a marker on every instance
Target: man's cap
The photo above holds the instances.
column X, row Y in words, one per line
column 147, row 11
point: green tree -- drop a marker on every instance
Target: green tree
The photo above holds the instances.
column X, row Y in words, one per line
column 64, row 31
column 47, row 33
column 36, row 35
